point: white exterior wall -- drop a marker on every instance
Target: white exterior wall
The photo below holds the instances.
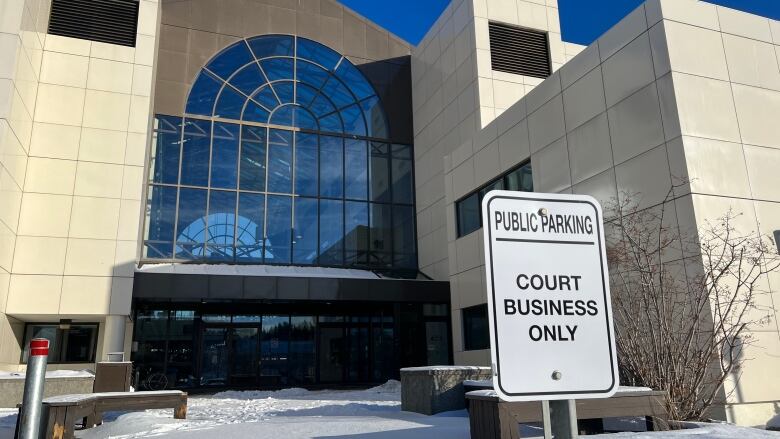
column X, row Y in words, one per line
column 22, row 33
column 456, row 93
column 677, row 89
column 80, row 204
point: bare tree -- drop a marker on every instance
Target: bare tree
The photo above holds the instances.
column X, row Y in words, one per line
column 685, row 301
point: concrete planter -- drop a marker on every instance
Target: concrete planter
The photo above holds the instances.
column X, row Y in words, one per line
column 435, row 389
column 12, row 388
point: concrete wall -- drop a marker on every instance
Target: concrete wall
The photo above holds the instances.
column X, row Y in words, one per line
column 456, row 93
column 677, row 89
column 79, row 205
column 22, row 33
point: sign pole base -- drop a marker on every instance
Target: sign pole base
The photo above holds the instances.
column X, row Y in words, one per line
column 562, row 420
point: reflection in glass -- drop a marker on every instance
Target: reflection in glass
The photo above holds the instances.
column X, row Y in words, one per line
column 331, row 232
column 161, row 215
column 294, row 179
column 356, row 233
column 305, row 231
column 355, row 169
column 302, row 349
column 252, row 158
column 278, row 229
column 306, row 164
column 191, row 227
column 331, row 167
column 195, row 152
column 224, row 155
column 222, row 226
column 280, row 161
column 249, row 230
column 165, row 150
column 274, row 350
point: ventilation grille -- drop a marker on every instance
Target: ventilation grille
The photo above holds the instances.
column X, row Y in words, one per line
column 519, row 51
column 107, row 21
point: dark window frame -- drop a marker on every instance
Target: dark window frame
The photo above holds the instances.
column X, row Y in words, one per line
column 472, row 341
column 59, row 342
column 502, row 178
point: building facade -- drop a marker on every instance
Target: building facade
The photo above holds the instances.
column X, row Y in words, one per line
column 244, row 193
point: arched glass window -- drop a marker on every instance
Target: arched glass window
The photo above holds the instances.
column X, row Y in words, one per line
column 281, row 157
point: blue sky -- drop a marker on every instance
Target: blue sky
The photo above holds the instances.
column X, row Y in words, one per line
column 582, row 21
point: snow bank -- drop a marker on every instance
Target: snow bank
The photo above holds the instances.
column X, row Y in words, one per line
column 50, row 374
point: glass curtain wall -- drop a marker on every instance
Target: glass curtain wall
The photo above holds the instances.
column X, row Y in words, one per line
column 282, row 157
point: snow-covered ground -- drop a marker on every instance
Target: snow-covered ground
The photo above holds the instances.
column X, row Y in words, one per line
column 301, row 414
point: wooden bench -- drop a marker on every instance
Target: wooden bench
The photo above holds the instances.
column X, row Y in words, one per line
column 491, row 418
column 62, row 412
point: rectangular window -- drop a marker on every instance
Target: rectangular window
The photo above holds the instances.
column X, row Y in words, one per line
column 74, row 344
column 476, row 333
column 519, row 51
column 468, row 210
column 107, row 21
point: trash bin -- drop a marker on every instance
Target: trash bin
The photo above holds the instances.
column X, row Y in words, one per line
column 112, row 376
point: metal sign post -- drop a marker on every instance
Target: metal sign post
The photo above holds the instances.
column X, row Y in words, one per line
column 35, row 377
column 549, row 306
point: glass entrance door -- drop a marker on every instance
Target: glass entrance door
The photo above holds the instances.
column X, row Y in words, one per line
column 244, row 359
column 214, row 360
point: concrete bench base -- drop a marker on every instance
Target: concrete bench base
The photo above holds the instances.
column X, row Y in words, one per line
column 435, row 389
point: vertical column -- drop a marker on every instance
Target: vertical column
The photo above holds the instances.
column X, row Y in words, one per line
column 114, row 334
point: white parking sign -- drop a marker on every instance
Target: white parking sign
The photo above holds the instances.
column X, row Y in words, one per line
column 551, row 334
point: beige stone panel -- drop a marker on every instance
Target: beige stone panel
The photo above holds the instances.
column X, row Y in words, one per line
column 147, row 17
column 106, row 110
column 486, row 163
column 10, row 200
column 133, row 182
column 64, row 69
column 73, row 46
column 502, row 10
column 762, row 168
column 7, row 243
column 50, row 176
column 139, row 114
column 711, row 208
column 584, row 99
column 589, row 148
column 39, row 255
column 752, row 62
column 697, row 13
column 757, row 382
column 468, row 251
column 513, row 146
column 463, row 179
column 34, row 294
column 45, row 215
column 645, row 177
column 85, row 295
column 121, row 296
column 471, row 288
column 135, row 153
column 629, row 70
column 473, row 358
column 757, row 111
column 59, row 104
column 112, row 52
column 546, row 124
column 635, row 124
column 504, row 94
column 753, row 414
column 717, row 168
column 129, row 218
column 142, row 80
column 144, row 50
column 696, row 97
column 532, row 15
column 96, row 218
column 695, row 50
column 125, row 259
column 98, row 180
column 631, row 26
column 55, row 141
column 744, row 24
column 90, row 257
column 602, row 187
column 104, row 146
column 110, row 76
column 551, row 167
